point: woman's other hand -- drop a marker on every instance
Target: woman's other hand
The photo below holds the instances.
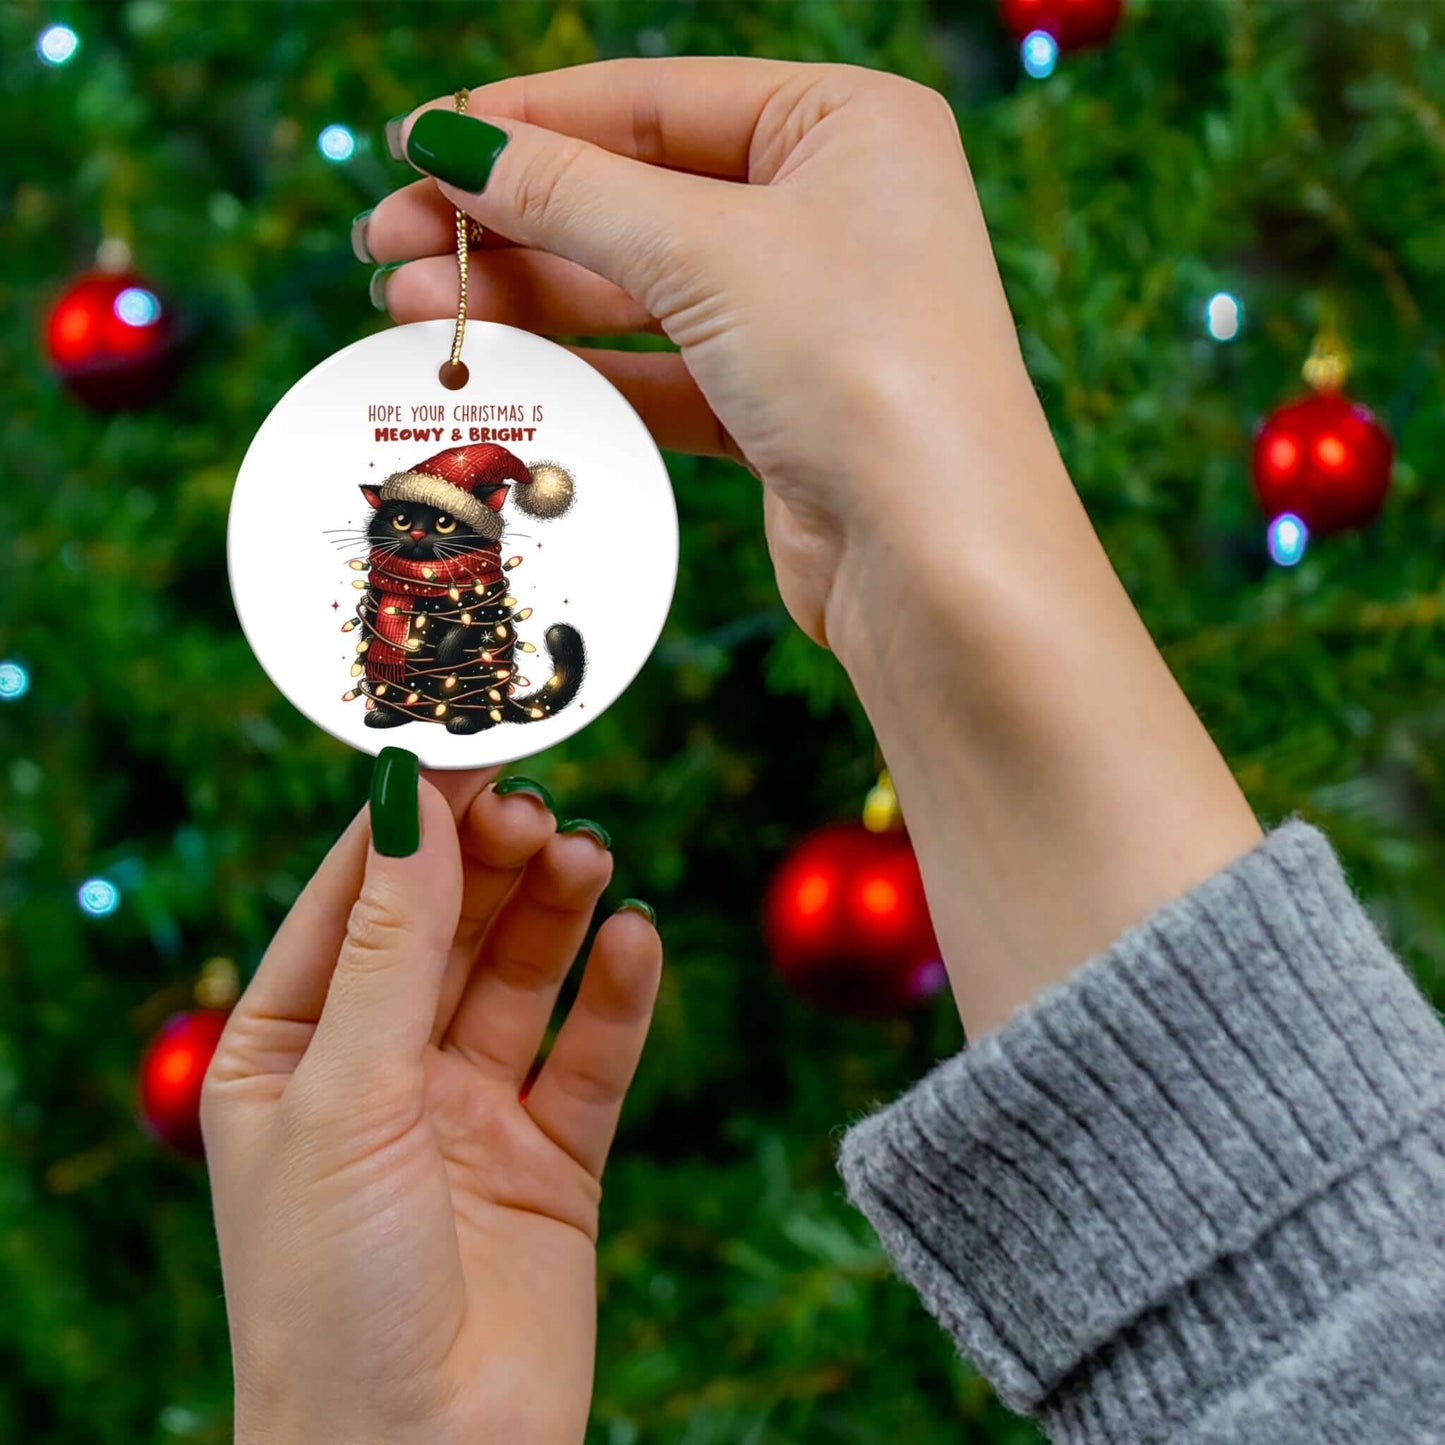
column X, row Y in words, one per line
column 406, row 1232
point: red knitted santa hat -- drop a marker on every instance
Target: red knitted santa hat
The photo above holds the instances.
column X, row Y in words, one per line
column 472, row 482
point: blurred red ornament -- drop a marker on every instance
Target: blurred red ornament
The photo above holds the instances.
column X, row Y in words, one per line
column 171, row 1073
column 1324, row 458
column 112, row 341
column 848, row 924
column 1074, row 24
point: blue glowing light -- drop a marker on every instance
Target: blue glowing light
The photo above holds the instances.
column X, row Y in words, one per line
column 1040, row 53
column 57, row 44
column 98, row 897
column 138, row 307
column 1288, row 537
column 14, row 681
column 336, row 143
column 1223, row 316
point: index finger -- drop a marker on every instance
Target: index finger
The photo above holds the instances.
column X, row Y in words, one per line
column 689, row 113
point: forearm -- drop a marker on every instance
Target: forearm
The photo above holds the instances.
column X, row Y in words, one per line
column 1055, row 780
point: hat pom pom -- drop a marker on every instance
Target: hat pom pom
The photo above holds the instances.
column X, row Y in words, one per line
column 549, row 494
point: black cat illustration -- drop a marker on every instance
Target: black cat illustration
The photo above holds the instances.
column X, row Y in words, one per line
column 440, row 641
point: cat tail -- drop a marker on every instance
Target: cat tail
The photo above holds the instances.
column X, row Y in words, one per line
column 569, row 662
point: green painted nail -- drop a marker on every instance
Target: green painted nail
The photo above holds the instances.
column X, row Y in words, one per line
column 395, row 808
column 393, row 136
column 529, row 786
column 586, row 825
column 455, row 148
column 359, row 248
column 636, row 905
column 376, row 288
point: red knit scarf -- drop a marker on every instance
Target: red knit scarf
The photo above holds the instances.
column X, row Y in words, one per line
column 396, row 580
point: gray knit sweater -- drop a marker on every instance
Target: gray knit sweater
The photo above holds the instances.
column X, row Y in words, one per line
column 1197, row 1192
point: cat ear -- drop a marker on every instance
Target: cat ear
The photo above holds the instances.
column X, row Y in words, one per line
column 372, row 495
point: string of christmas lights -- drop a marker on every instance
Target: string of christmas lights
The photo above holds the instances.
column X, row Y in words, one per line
column 486, row 672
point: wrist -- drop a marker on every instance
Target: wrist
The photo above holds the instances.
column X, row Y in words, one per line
column 1057, row 784
column 950, row 524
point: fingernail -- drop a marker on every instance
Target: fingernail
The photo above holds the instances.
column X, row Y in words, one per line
column 529, row 786
column 395, row 807
column 636, row 905
column 586, row 825
column 359, row 248
column 376, row 288
column 455, row 148
column 393, row 136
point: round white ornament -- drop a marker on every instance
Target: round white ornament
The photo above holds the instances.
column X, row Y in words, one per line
column 470, row 574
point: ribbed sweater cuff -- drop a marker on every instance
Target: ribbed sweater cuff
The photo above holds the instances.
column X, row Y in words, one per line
column 1159, row 1167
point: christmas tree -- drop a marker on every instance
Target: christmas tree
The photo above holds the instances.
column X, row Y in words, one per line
column 1179, row 213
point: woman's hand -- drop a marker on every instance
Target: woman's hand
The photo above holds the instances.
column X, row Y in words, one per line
column 407, row 1245
column 843, row 298
column 810, row 238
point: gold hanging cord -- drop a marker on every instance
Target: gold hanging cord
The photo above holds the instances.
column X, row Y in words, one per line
column 453, row 374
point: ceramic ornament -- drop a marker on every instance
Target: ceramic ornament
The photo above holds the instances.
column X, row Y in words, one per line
column 473, row 574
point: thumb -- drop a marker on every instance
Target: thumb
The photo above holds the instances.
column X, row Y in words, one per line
column 620, row 218
column 382, row 1000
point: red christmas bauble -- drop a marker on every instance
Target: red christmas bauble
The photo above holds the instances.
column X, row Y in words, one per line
column 1074, row 24
column 848, row 925
column 171, row 1073
column 1326, row 459
column 112, row 341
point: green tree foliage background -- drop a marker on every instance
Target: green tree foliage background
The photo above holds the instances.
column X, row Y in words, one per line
column 1293, row 154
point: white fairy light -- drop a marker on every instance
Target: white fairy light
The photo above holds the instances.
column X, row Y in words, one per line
column 1223, row 316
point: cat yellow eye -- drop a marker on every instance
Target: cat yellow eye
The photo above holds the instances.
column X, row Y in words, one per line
column 400, row 522
column 446, row 523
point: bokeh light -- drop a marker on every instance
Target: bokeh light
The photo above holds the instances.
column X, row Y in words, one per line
column 1288, row 537
column 14, row 681
column 138, row 307
column 1223, row 316
column 811, row 898
column 1282, row 454
column 336, row 143
column 929, row 978
column 57, row 44
column 879, row 897
column 98, row 897
column 1040, row 52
